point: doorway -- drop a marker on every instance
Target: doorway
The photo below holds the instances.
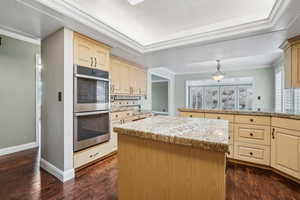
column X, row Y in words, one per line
column 160, row 95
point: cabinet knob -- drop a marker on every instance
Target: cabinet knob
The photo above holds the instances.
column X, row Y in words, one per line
column 251, row 134
column 191, row 115
column 251, row 120
column 251, row 153
column 218, row 117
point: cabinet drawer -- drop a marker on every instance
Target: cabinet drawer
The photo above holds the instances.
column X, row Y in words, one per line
column 219, row 116
column 91, row 154
column 259, row 154
column 192, row 114
column 286, row 123
column 256, row 120
column 252, row 134
column 230, row 154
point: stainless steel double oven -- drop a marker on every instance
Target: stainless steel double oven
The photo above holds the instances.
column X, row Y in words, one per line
column 91, row 107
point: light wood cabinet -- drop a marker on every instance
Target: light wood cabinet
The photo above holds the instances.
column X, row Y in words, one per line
column 193, row 115
column 90, row 53
column 286, row 151
column 292, row 62
column 127, row 78
column 255, row 120
column 101, row 57
column 259, row 154
column 227, row 117
column 253, row 134
column 83, row 52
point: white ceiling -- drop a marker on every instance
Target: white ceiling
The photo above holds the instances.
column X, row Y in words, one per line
column 253, row 45
column 154, row 21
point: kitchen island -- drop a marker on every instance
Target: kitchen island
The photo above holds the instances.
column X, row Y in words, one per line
column 172, row 158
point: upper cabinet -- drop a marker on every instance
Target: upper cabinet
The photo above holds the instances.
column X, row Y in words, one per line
column 127, row 78
column 292, row 62
column 90, row 53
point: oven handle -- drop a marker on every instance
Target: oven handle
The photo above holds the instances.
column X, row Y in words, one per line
column 91, row 77
column 90, row 113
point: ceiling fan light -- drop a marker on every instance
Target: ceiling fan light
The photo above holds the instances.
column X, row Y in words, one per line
column 135, row 2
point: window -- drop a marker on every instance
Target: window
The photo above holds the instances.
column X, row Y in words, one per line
column 286, row 100
column 278, row 91
column 226, row 95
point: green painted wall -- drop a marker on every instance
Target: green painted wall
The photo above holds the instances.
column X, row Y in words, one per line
column 160, row 96
column 263, row 86
column 17, row 92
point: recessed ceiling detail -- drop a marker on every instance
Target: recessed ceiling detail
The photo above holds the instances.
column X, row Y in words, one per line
column 155, row 24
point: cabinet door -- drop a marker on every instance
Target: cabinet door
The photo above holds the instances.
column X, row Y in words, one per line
column 115, row 74
column 143, row 81
column 124, row 79
column 101, row 57
column 296, row 66
column 83, row 52
column 133, row 80
column 286, row 151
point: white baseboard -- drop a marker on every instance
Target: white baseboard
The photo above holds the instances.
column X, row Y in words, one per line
column 14, row 149
column 63, row 176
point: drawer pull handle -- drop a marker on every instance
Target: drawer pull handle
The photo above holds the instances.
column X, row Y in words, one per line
column 251, row 134
column 273, row 135
column 191, row 115
column 251, row 153
column 229, row 137
column 218, row 117
column 251, row 120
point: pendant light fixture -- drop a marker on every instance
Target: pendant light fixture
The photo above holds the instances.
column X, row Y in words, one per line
column 218, row 75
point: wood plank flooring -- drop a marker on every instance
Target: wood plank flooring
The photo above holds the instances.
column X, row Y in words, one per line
column 21, row 178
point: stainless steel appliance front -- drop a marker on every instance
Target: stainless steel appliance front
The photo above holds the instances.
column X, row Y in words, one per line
column 91, row 89
column 91, row 128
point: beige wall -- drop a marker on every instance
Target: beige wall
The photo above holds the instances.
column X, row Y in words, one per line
column 17, row 92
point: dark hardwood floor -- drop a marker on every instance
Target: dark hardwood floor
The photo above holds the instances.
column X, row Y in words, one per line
column 21, row 178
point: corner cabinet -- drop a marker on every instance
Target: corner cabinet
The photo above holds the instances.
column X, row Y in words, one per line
column 90, row 53
column 292, row 62
column 285, row 144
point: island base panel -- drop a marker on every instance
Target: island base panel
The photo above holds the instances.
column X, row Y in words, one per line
column 154, row 170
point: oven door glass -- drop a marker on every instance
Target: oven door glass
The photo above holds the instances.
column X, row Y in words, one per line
column 91, row 91
column 91, row 130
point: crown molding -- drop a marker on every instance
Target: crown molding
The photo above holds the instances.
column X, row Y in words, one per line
column 18, row 35
column 69, row 9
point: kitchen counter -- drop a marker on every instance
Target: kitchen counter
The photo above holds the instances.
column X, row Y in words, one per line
column 187, row 156
column 206, row 134
column 246, row 112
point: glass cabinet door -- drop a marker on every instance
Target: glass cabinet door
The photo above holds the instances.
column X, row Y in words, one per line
column 245, row 97
column 196, row 97
column 227, row 97
column 212, row 97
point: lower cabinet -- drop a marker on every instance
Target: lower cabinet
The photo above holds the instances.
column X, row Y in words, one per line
column 89, row 155
column 190, row 114
column 254, row 153
column 230, row 154
column 286, row 151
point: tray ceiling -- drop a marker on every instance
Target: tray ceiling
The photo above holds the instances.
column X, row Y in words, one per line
column 155, row 21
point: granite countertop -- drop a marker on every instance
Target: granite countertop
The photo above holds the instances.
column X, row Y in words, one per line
column 268, row 113
column 206, row 134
